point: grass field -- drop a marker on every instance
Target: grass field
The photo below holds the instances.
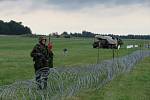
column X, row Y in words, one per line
column 132, row 86
column 16, row 63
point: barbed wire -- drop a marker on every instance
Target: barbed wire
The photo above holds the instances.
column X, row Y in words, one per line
column 66, row 82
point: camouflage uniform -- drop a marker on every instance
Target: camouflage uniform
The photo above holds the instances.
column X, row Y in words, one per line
column 42, row 58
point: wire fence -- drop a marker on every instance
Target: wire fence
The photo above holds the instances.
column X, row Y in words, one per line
column 67, row 82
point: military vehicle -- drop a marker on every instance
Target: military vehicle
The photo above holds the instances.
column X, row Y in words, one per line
column 111, row 42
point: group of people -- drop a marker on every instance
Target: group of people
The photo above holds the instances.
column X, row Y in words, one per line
column 43, row 59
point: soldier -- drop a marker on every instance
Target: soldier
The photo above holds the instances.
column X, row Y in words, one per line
column 42, row 57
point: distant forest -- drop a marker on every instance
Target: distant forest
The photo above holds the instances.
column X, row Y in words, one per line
column 13, row 28
column 16, row 28
column 90, row 34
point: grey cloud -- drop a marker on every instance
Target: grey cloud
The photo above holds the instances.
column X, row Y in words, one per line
column 82, row 2
column 77, row 4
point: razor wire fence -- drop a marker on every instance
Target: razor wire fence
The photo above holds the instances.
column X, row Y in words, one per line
column 66, row 82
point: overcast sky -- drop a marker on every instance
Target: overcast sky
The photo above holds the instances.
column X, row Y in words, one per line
column 99, row 16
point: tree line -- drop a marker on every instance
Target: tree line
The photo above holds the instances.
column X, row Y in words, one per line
column 92, row 35
column 68, row 35
column 13, row 28
column 135, row 36
column 16, row 28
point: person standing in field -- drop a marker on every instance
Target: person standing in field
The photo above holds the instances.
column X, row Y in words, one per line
column 43, row 59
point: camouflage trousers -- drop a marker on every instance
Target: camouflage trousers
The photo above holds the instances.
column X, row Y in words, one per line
column 42, row 77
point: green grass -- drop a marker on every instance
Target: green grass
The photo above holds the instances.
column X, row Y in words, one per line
column 131, row 86
column 16, row 63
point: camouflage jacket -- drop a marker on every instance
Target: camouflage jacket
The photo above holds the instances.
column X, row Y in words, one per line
column 40, row 52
